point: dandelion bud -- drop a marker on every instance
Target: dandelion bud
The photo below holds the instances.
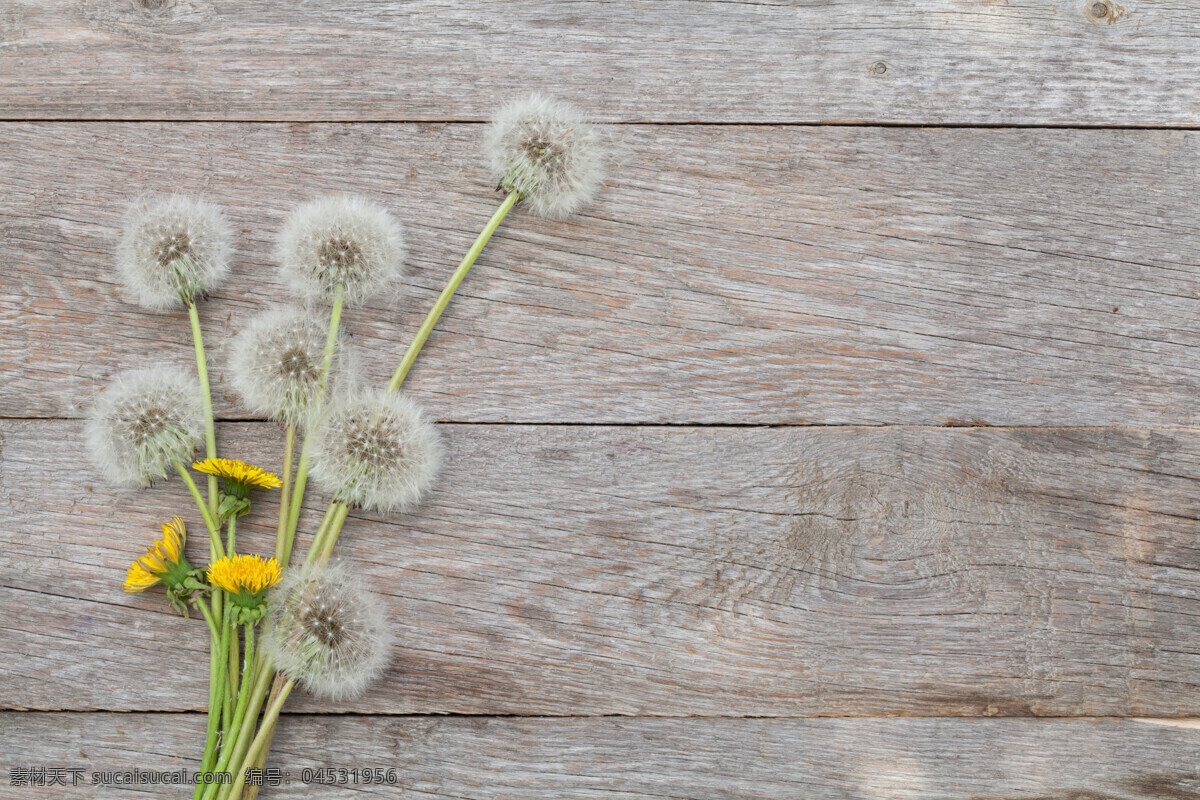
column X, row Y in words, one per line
column 173, row 249
column 145, row 421
column 544, row 150
column 276, row 364
column 341, row 240
column 326, row 631
column 375, row 450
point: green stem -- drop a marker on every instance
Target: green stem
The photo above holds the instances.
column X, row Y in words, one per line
column 335, row 318
column 260, row 741
column 443, row 300
column 320, row 553
column 235, row 749
column 214, row 682
column 234, row 657
column 315, row 545
column 283, row 543
column 210, row 520
column 239, row 714
column 208, row 617
column 217, row 707
column 228, row 685
column 232, row 535
column 210, row 432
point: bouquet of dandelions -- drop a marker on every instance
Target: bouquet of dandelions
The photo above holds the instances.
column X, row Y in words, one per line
column 275, row 622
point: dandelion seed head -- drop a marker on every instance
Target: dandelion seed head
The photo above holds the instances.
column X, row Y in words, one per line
column 275, row 364
column 546, row 151
column 341, row 239
column 327, row 631
column 143, row 422
column 375, row 450
column 172, row 249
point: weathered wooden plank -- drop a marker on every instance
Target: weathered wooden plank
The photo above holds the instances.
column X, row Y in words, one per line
column 715, row 759
column 728, row 274
column 926, row 61
column 674, row 571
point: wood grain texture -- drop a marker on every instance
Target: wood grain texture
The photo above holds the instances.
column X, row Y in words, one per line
column 644, row 759
column 1093, row 62
column 575, row 570
column 727, row 274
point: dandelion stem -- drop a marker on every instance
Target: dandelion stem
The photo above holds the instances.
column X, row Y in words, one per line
column 210, row 433
column 265, row 729
column 208, row 617
column 228, row 681
column 243, row 701
column 331, row 535
column 214, row 678
column 232, row 536
column 214, row 528
column 443, row 300
column 283, row 545
column 235, row 746
column 335, row 318
column 233, row 665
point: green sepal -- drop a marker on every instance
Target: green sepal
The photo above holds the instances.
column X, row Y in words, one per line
column 232, row 506
column 248, row 616
column 183, row 583
column 247, row 608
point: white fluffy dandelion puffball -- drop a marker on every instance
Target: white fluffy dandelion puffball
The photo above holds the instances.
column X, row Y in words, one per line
column 145, row 420
column 275, row 364
column 544, row 150
column 325, row 630
column 173, row 249
column 342, row 239
column 375, row 450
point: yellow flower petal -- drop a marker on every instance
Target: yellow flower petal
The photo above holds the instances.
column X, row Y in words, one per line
column 239, row 472
column 243, row 573
column 138, row 579
column 174, row 539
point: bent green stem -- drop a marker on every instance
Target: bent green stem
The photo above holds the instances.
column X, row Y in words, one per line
column 210, row 432
column 208, row 617
column 216, row 550
column 443, row 300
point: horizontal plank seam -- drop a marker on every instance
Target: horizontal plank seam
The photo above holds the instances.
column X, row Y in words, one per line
column 697, row 717
column 647, row 123
column 738, row 425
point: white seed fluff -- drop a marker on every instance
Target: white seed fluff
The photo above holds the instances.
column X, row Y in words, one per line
column 375, row 450
column 342, row 239
column 173, row 249
column 327, row 631
column 546, row 151
column 143, row 422
column 275, row 363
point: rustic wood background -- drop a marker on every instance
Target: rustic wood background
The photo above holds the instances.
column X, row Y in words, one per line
column 845, row 448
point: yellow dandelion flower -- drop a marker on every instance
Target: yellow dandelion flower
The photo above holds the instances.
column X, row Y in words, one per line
column 163, row 563
column 245, row 476
column 137, row 579
column 244, row 574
